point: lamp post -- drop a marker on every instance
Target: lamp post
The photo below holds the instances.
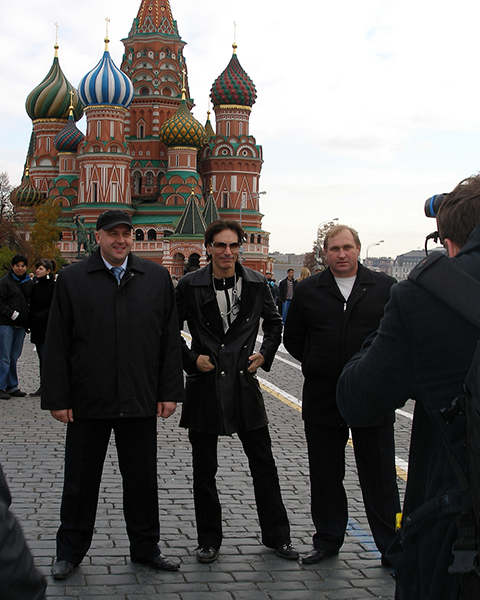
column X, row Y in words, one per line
column 251, row 197
column 317, row 258
column 370, row 246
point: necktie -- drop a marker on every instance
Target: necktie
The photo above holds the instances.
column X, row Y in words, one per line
column 117, row 271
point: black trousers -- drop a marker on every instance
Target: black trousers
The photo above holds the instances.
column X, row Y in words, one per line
column 85, row 450
column 208, row 513
column 374, row 449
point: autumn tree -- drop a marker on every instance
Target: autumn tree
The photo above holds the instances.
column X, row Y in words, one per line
column 316, row 259
column 45, row 232
column 9, row 235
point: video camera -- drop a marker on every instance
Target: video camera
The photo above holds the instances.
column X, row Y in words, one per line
column 431, row 210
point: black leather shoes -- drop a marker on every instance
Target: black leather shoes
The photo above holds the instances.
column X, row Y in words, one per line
column 62, row 569
column 206, row 554
column 317, row 556
column 287, row 551
column 160, row 563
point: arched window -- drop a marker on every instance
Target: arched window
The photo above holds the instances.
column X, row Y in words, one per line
column 139, row 235
column 259, row 239
column 137, row 182
column 151, row 235
column 252, row 239
column 149, row 178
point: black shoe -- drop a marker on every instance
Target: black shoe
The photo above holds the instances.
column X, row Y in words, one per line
column 4, row 395
column 62, row 569
column 17, row 394
column 287, row 551
column 38, row 392
column 317, row 555
column 206, row 554
column 160, row 563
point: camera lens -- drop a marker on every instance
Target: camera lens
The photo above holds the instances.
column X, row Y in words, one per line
column 433, row 204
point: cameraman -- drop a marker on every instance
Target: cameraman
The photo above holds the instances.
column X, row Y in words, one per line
column 422, row 350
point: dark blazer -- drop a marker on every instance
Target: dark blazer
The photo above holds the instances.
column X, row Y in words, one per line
column 422, row 350
column 282, row 289
column 112, row 350
column 324, row 332
column 228, row 398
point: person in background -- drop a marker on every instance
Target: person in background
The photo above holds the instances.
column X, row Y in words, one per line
column 304, row 273
column 40, row 303
column 15, row 291
column 286, row 289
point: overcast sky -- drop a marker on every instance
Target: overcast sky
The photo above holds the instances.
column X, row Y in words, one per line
column 364, row 109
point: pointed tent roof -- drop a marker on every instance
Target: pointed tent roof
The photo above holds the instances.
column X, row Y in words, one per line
column 210, row 212
column 154, row 16
column 208, row 127
column 191, row 222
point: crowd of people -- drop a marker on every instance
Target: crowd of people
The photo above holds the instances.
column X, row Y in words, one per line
column 365, row 344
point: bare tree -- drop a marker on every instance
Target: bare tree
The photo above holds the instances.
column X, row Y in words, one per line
column 316, row 259
column 8, row 227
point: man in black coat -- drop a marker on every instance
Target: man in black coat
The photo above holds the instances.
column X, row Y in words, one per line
column 422, row 351
column 15, row 292
column 223, row 304
column 112, row 361
column 331, row 315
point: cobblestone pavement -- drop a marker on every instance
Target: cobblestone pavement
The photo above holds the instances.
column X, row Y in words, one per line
column 31, row 452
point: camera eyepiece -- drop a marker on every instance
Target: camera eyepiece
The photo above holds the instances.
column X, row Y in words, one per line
column 433, row 204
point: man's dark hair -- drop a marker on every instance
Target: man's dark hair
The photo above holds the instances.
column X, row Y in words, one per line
column 459, row 213
column 19, row 258
column 221, row 225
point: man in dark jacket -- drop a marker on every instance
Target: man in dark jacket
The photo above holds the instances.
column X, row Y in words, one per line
column 112, row 361
column 286, row 289
column 15, row 292
column 422, row 351
column 223, row 304
column 331, row 315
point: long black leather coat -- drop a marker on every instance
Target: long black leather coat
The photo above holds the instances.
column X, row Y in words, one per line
column 228, row 398
column 324, row 332
column 112, row 350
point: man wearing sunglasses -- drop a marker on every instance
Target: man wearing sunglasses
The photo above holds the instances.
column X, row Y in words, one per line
column 223, row 304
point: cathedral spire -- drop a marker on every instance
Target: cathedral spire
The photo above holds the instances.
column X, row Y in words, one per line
column 154, row 16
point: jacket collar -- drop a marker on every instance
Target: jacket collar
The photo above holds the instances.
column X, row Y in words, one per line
column 203, row 276
column 95, row 263
column 364, row 277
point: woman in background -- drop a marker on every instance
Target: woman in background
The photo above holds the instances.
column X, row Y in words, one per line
column 40, row 303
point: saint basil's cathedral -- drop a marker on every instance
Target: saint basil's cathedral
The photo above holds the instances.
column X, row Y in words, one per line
column 144, row 152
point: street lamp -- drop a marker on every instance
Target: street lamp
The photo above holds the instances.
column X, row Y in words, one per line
column 251, row 197
column 317, row 258
column 373, row 244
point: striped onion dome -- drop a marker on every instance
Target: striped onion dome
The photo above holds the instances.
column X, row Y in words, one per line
column 26, row 194
column 233, row 86
column 51, row 98
column 106, row 84
column 70, row 137
column 183, row 129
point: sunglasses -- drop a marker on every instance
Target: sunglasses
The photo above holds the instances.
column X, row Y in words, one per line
column 221, row 246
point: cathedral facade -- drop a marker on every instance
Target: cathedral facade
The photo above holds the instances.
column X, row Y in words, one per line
column 144, row 152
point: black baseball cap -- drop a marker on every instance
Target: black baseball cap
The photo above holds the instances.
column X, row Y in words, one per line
column 110, row 218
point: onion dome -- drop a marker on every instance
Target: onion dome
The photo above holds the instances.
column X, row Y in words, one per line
column 106, row 84
column 70, row 137
column 51, row 98
column 233, row 86
column 183, row 129
column 26, row 193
